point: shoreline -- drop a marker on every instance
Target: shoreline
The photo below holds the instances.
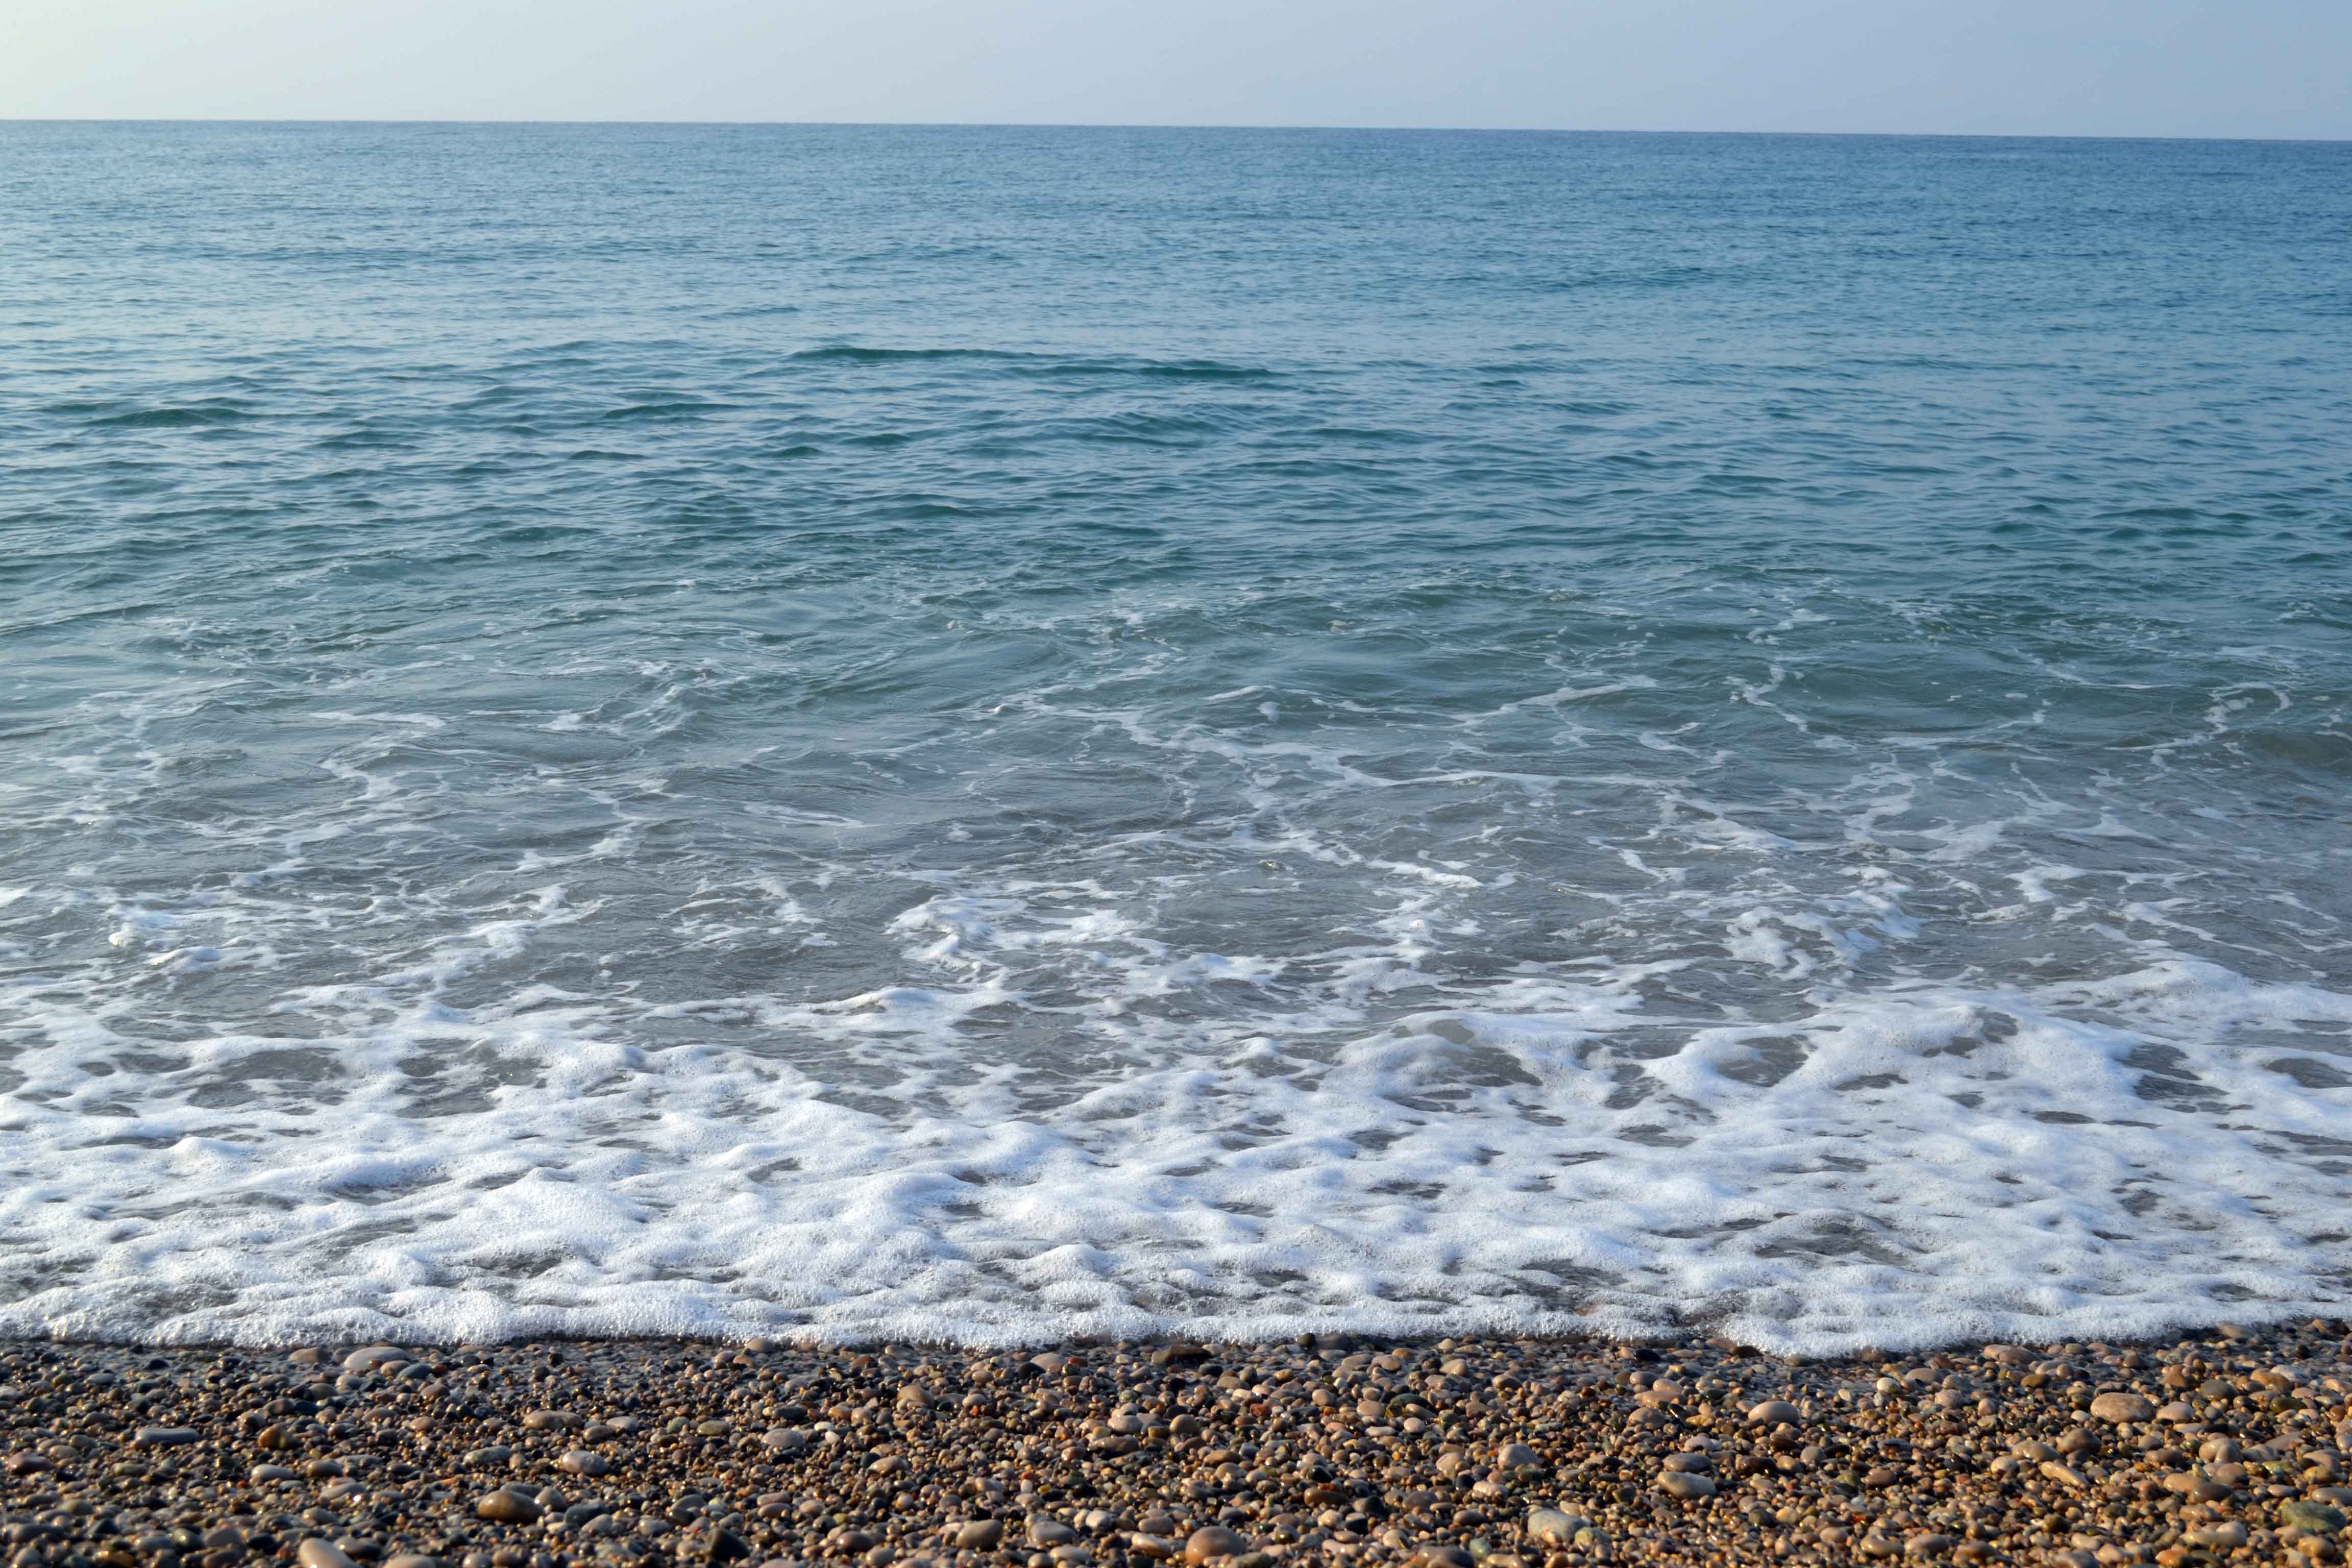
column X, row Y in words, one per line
column 2222, row 1446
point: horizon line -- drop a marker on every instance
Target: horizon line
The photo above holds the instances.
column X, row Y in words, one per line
column 1148, row 125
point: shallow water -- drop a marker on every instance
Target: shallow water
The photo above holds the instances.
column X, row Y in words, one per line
column 995, row 733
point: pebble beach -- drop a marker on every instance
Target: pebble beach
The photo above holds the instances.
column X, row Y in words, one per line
column 2222, row 1446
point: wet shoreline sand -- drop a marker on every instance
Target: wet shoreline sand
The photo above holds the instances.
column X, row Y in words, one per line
column 2219, row 1447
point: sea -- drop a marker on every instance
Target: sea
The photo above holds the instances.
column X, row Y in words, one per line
column 1002, row 735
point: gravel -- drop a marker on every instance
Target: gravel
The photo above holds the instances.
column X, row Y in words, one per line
column 2223, row 1446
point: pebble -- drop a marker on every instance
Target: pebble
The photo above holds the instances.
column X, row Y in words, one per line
column 1552, row 1527
column 979, row 1535
column 1685, row 1485
column 507, row 1508
column 2311, row 1518
column 162, row 1436
column 315, row 1553
column 581, row 1462
column 1212, row 1541
column 2224, row 1537
column 2123, row 1408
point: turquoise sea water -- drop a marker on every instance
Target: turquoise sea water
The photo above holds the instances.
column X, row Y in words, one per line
column 998, row 733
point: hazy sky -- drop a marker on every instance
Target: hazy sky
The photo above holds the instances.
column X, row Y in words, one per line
column 2167, row 68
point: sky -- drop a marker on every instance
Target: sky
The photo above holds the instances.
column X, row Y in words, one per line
column 2107, row 68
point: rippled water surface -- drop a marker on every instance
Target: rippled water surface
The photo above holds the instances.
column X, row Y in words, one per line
column 991, row 733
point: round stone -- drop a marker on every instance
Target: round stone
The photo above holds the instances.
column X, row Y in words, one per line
column 1213, row 1541
column 1552, row 1527
column 2123, row 1408
column 316, row 1553
column 1683, row 1485
column 507, row 1508
column 580, row 1462
column 2311, row 1518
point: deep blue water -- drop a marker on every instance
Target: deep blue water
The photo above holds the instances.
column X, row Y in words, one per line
column 993, row 732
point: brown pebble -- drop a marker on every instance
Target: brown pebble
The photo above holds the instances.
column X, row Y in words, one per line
column 1212, row 1541
column 507, row 1508
column 316, row 1553
column 2123, row 1408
